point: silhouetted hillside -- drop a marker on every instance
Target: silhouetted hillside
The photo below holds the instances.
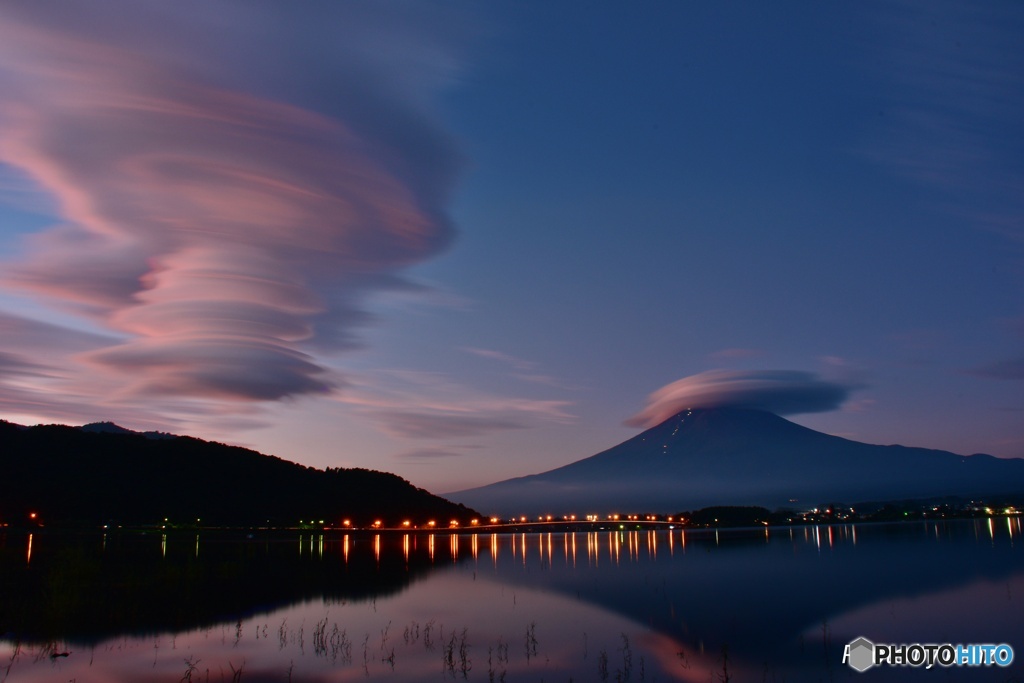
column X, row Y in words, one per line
column 71, row 475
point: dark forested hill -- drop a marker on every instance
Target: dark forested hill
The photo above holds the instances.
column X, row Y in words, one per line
column 71, row 475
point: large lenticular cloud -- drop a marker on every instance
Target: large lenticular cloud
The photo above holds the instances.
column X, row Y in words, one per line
column 219, row 230
column 784, row 392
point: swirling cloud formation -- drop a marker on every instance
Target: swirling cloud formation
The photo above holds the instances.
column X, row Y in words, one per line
column 784, row 392
column 232, row 179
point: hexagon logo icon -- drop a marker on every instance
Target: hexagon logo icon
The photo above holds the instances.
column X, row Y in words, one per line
column 860, row 654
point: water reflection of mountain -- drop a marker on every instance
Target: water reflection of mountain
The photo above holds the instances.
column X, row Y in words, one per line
column 89, row 588
column 761, row 593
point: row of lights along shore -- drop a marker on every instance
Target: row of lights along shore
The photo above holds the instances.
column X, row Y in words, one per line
column 496, row 521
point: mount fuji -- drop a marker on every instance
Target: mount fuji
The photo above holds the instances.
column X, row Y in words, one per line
column 730, row 456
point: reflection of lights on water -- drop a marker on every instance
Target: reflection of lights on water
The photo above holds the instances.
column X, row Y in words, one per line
column 453, row 545
column 430, row 546
column 475, row 546
column 494, row 548
column 405, row 547
column 197, row 545
column 163, row 545
column 991, row 530
column 830, row 536
column 376, row 547
column 28, row 556
column 344, row 548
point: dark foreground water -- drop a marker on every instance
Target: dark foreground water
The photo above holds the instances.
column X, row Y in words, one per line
column 615, row 605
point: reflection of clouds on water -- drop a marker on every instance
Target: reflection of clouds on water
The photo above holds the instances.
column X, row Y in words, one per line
column 780, row 602
column 407, row 637
column 766, row 595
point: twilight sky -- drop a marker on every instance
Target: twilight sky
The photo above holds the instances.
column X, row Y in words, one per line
column 468, row 241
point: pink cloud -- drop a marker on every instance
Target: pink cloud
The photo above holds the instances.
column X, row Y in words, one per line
column 222, row 234
column 785, row 392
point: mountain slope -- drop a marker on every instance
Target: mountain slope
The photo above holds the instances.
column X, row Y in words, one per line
column 68, row 474
column 743, row 457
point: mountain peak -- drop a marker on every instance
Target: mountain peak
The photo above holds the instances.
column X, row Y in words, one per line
column 736, row 456
column 113, row 428
column 105, row 428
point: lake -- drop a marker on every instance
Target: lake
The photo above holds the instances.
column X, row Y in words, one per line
column 770, row 604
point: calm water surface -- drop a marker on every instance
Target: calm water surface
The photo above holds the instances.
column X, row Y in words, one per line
column 615, row 605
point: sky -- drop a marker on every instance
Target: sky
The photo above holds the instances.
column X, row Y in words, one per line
column 464, row 241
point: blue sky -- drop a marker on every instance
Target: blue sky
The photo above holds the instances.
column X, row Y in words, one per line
column 466, row 242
